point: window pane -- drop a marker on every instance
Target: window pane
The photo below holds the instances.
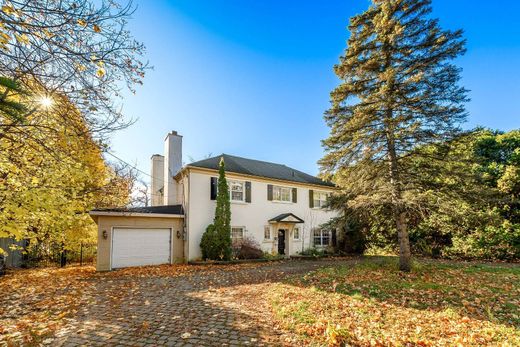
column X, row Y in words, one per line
column 237, row 190
column 316, row 232
column 237, row 196
column 296, row 233
column 325, row 237
column 267, row 232
column 237, row 233
column 286, row 194
column 276, row 193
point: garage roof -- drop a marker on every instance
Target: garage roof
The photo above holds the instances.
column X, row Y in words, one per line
column 150, row 210
column 260, row 168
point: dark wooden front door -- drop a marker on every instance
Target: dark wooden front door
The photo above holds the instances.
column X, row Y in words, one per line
column 281, row 241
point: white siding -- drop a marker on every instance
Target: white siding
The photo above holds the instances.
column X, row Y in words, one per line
column 254, row 216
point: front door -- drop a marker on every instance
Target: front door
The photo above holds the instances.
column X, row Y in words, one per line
column 281, row 241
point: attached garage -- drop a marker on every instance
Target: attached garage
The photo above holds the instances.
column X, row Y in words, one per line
column 139, row 236
column 140, row 246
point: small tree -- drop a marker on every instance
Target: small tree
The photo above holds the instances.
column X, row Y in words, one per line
column 216, row 240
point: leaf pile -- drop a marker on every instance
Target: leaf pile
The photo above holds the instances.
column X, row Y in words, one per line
column 373, row 304
column 35, row 303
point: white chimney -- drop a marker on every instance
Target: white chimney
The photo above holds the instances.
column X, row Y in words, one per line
column 172, row 166
column 157, row 184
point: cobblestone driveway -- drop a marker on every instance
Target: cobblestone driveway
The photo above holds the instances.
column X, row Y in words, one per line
column 219, row 306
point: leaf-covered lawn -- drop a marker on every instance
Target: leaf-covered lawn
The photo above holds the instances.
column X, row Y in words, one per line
column 371, row 303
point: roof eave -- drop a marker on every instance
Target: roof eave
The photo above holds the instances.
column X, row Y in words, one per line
column 187, row 167
column 134, row 214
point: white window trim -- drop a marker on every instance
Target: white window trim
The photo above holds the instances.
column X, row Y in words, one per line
column 243, row 232
column 321, row 245
column 243, row 183
column 290, row 201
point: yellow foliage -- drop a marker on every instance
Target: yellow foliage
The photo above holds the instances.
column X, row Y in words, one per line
column 51, row 174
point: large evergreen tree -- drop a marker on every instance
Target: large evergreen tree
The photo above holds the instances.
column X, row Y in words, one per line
column 399, row 92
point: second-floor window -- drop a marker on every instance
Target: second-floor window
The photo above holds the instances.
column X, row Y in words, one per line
column 320, row 199
column 236, row 189
column 282, row 194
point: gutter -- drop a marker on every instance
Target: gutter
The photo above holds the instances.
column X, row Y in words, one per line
column 135, row 214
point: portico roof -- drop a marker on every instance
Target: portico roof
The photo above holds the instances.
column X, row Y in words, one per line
column 286, row 218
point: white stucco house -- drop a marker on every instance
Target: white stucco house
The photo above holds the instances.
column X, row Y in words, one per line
column 279, row 207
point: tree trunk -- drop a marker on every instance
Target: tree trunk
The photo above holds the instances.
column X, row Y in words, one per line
column 398, row 212
column 404, row 243
column 395, row 179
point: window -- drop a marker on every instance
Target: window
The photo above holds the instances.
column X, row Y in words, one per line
column 321, row 237
column 267, row 232
column 282, row 194
column 320, row 199
column 237, row 233
column 296, row 233
column 236, row 190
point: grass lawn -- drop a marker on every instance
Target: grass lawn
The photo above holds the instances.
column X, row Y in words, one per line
column 371, row 303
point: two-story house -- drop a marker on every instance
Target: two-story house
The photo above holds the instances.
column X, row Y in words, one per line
column 278, row 207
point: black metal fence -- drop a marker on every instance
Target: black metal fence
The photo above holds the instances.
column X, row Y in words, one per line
column 19, row 254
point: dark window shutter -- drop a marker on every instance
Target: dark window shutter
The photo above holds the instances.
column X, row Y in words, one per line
column 270, row 192
column 213, row 187
column 311, row 198
column 295, row 195
column 248, row 191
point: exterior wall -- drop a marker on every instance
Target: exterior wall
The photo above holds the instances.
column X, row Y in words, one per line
column 253, row 216
column 107, row 223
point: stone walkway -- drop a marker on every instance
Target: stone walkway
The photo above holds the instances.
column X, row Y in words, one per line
column 220, row 306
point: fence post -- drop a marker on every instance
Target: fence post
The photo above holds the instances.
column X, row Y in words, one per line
column 63, row 256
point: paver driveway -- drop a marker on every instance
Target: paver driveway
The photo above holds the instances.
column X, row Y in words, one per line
column 205, row 307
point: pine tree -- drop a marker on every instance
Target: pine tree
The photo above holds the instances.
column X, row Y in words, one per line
column 399, row 92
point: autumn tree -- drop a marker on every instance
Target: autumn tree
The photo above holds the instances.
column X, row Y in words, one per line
column 80, row 49
column 399, row 91
column 52, row 177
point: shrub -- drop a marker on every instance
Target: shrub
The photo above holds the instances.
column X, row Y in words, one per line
column 208, row 243
column 315, row 252
column 247, row 248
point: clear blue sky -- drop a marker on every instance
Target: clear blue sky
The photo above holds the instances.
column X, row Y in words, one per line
column 252, row 78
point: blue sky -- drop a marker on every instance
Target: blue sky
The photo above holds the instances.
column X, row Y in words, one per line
column 252, row 78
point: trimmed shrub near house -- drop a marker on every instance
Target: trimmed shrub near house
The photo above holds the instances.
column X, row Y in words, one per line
column 247, row 248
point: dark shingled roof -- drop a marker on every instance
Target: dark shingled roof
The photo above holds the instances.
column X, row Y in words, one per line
column 166, row 209
column 285, row 215
column 260, row 168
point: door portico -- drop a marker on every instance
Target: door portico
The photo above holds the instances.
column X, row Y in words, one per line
column 283, row 226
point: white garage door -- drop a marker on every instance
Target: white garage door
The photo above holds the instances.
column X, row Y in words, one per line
column 137, row 247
